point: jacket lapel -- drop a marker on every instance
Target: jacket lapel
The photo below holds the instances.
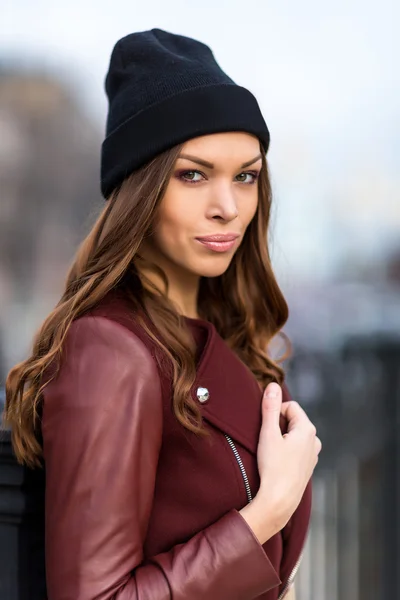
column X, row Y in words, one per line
column 234, row 404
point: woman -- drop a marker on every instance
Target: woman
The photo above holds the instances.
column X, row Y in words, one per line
column 169, row 472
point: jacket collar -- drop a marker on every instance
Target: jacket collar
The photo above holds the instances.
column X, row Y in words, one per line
column 234, row 404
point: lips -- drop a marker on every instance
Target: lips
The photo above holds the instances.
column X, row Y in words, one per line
column 221, row 237
column 219, row 242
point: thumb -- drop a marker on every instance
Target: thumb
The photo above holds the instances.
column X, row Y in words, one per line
column 271, row 407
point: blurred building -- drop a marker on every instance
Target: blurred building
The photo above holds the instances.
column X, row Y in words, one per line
column 49, row 185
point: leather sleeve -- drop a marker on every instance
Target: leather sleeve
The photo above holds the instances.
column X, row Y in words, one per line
column 102, row 429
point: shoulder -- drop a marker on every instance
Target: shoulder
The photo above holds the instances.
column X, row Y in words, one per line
column 102, row 359
column 102, row 348
column 104, row 404
column 111, row 328
column 107, row 344
column 102, row 333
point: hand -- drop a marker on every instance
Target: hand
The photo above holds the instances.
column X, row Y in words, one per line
column 285, row 463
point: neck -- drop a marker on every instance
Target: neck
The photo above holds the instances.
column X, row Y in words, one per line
column 183, row 286
column 184, row 296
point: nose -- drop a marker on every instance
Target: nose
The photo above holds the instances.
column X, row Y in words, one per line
column 223, row 205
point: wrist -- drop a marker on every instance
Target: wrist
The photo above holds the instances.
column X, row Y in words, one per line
column 275, row 502
column 261, row 520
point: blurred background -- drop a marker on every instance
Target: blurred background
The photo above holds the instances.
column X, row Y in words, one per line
column 324, row 74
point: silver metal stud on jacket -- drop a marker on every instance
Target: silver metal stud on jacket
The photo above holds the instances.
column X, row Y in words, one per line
column 202, row 394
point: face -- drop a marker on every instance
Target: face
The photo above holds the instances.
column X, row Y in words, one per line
column 210, row 200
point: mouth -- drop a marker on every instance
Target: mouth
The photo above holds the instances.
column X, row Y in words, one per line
column 219, row 242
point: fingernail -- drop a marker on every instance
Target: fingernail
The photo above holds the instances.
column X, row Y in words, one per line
column 272, row 390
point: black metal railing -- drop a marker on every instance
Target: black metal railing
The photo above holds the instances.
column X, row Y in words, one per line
column 353, row 397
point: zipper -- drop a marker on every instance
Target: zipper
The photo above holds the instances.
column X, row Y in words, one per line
column 241, row 467
column 249, row 499
column 292, row 575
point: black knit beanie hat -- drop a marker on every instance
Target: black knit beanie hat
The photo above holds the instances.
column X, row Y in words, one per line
column 164, row 89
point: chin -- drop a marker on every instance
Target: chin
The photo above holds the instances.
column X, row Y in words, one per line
column 215, row 268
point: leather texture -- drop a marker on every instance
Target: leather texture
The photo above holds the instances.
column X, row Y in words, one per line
column 137, row 508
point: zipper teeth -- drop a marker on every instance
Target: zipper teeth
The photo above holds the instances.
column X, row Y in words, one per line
column 249, row 499
column 291, row 576
column 241, row 467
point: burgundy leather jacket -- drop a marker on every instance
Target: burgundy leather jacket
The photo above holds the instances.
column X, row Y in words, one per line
column 137, row 507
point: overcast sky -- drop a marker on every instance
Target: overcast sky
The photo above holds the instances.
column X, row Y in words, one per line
column 326, row 76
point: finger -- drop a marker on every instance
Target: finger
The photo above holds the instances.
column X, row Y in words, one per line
column 318, row 445
column 283, row 424
column 294, row 414
column 271, row 407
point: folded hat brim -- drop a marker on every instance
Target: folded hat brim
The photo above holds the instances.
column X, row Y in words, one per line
column 183, row 116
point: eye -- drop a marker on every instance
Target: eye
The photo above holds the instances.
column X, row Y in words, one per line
column 248, row 177
column 191, row 176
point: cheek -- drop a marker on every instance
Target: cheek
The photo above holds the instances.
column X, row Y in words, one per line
column 248, row 208
column 176, row 226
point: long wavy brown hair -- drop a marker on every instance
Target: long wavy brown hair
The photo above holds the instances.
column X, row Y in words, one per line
column 245, row 303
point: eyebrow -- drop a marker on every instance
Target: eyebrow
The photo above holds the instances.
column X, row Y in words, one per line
column 209, row 165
